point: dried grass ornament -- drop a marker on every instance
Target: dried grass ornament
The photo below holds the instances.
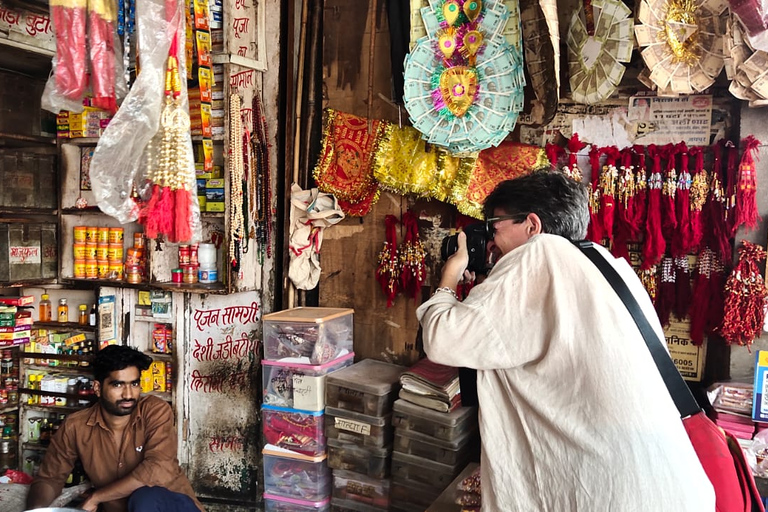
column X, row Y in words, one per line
column 745, row 296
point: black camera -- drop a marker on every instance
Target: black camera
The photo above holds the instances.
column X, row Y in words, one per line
column 476, row 244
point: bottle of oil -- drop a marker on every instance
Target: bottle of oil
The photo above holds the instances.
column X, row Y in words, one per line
column 63, row 311
column 82, row 317
column 44, row 308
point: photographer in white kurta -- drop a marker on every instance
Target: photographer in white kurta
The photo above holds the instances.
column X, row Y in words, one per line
column 574, row 415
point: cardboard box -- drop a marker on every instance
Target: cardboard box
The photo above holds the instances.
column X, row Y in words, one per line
column 214, row 183
column 216, row 207
column 760, row 400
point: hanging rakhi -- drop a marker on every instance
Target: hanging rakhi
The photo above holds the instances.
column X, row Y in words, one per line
column 595, row 228
column 681, row 239
column 701, row 294
column 102, row 15
column 596, row 49
column 731, row 185
column 607, row 185
column 745, row 296
column 639, row 202
column 554, row 152
column 68, row 18
column 669, row 189
column 388, row 269
column 625, row 193
column 654, row 244
column 746, row 205
column 260, row 200
column 665, row 295
column 698, row 197
column 572, row 169
column 682, row 287
column 716, row 234
column 683, row 45
column 411, row 253
column 168, row 211
column 236, row 174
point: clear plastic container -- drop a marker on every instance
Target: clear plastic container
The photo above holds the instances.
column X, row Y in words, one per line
column 370, row 461
column 298, row 431
column 445, row 426
column 292, row 475
column 308, row 335
column 356, row 487
column 274, row 503
column 409, row 495
column 359, row 429
column 444, row 452
column 368, row 387
column 415, row 469
column 339, row 505
column 299, row 386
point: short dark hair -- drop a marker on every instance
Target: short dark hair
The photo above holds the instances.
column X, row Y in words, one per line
column 561, row 203
column 118, row 357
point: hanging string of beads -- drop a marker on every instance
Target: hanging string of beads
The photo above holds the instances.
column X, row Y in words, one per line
column 262, row 209
column 236, row 173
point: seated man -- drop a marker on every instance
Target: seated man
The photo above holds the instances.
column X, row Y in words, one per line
column 126, row 443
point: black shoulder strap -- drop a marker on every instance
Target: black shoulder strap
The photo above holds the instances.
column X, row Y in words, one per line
column 677, row 387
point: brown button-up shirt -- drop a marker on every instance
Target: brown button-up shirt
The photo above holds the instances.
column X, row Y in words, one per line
column 147, row 451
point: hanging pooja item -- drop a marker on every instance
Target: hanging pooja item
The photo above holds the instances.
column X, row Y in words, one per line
column 669, row 189
column 702, row 292
column 665, row 294
column 403, row 163
column 413, row 270
column 654, row 244
column 463, row 82
column 731, row 186
column 541, row 33
column 745, row 66
column 625, row 199
column 698, row 197
column 682, row 287
column 681, row 241
column 345, row 167
column 598, row 42
column 388, row 269
column 717, row 236
column 745, row 296
column 640, row 199
column 607, row 185
column 595, row 228
column 102, row 15
column 682, row 44
column 746, row 205
column 260, row 176
column 572, row 169
column 68, row 17
column 235, row 164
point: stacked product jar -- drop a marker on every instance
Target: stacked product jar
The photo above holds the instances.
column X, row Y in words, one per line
column 359, row 430
column 98, row 253
column 430, row 449
column 302, row 346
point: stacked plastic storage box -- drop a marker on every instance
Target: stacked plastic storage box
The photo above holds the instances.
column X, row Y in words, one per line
column 359, row 430
column 430, row 449
column 302, row 346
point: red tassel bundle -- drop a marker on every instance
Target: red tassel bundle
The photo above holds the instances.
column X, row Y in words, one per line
column 595, row 229
column 668, row 214
column 745, row 295
column 388, row 269
column 607, row 185
column 665, row 294
column 731, row 185
column 574, row 146
column 639, row 202
column 716, row 234
column 554, row 152
column 625, row 199
column 681, row 240
column 702, row 282
column 746, row 206
column 682, row 287
column 411, row 253
column 69, row 27
column 182, row 212
column 698, row 196
column 101, row 42
column 654, row 245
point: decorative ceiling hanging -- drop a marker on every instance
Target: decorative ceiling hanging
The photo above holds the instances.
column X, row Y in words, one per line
column 683, row 44
column 598, row 42
column 745, row 67
column 463, row 82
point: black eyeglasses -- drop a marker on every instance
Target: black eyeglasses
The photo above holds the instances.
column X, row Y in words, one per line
column 490, row 221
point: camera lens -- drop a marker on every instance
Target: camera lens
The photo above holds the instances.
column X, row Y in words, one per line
column 449, row 247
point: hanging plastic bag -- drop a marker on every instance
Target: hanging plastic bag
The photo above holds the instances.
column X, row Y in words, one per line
column 311, row 212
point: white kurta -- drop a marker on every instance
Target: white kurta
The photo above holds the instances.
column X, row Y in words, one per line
column 574, row 415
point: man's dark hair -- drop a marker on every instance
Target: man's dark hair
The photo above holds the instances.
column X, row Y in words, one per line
column 118, row 357
column 561, row 203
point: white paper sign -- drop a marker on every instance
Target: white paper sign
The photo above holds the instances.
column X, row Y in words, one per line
column 309, row 392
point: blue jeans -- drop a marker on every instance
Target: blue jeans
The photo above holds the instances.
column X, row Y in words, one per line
column 159, row 499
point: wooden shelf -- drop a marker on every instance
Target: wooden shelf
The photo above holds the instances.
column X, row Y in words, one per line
column 213, row 288
column 4, row 409
column 159, row 355
column 43, row 212
column 212, row 215
column 38, row 392
column 152, row 319
column 15, row 140
column 58, row 369
column 27, row 283
column 52, row 408
column 92, row 283
column 34, row 447
column 81, row 141
column 56, row 357
column 64, row 326
column 88, row 210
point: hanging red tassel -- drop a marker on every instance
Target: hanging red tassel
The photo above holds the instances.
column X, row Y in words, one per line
column 716, row 294
column 554, row 152
column 665, row 295
column 745, row 295
column 595, row 229
column 412, row 255
column 681, row 239
column 625, row 195
column 654, row 245
column 716, row 234
column 607, row 185
column 698, row 197
column 700, row 296
column 147, row 215
column 182, row 229
column 746, row 205
column 639, row 202
column 388, row 269
column 574, row 146
column 731, row 185
column 682, row 287
column 164, row 211
column 668, row 215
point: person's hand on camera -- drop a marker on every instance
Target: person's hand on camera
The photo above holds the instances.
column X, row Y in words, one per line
column 453, row 270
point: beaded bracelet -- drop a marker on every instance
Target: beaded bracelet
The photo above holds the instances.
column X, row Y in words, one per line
column 447, row 290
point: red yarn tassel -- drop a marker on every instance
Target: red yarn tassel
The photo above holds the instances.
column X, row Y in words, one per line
column 554, row 152
column 681, row 239
column 668, row 217
column 746, row 205
column 148, row 216
column 640, row 202
column 164, row 212
column 595, row 229
column 608, row 178
column 682, row 287
column 654, row 245
column 574, row 146
column 716, row 296
column 411, row 253
column 182, row 221
column 388, row 269
column 745, row 295
column 700, row 296
column 731, row 185
column 697, row 199
column 716, row 234
column 625, row 195
column 665, row 296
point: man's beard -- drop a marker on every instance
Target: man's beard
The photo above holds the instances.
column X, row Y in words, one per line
column 114, row 408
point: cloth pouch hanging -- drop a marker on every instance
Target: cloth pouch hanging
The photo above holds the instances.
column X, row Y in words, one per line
column 311, row 212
